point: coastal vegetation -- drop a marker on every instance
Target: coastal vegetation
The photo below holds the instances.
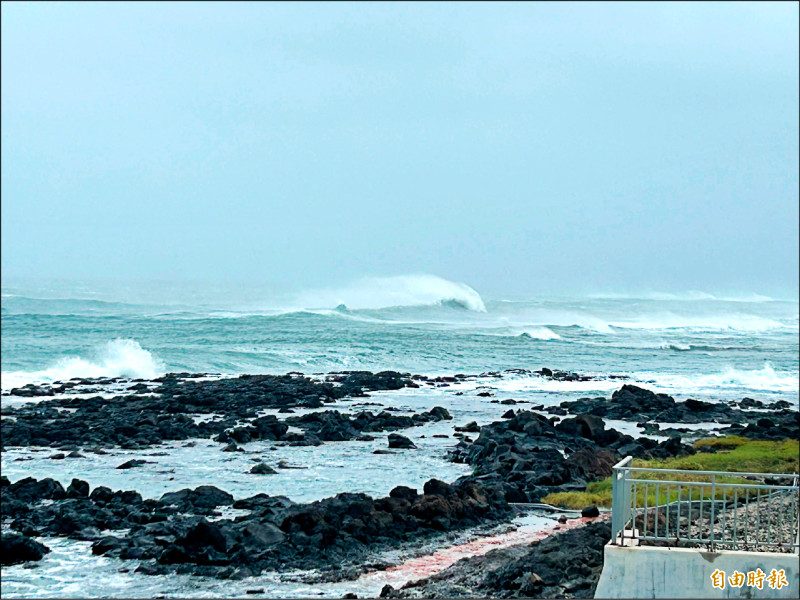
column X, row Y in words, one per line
column 730, row 453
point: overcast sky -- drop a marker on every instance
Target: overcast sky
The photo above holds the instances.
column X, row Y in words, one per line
column 514, row 147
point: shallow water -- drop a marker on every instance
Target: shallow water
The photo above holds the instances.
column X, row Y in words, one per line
column 71, row 569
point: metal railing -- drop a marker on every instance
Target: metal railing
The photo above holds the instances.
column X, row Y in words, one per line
column 709, row 509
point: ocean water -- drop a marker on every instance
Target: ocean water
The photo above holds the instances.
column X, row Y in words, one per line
column 691, row 343
column 713, row 347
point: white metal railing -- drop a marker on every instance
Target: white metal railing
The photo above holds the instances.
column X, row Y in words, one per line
column 713, row 509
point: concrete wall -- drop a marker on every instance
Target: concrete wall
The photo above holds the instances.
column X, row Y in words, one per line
column 647, row 572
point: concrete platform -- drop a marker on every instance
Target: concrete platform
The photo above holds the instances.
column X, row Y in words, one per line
column 650, row 572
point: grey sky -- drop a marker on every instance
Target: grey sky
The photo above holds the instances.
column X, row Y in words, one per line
column 514, row 147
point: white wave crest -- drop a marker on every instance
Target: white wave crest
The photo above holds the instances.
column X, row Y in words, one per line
column 677, row 346
column 403, row 290
column 117, row 358
column 536, row 333
column 765, row 379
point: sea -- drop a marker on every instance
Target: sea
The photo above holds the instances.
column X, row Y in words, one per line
column 711, row 346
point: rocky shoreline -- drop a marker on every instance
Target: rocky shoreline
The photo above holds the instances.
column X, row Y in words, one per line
column 563, row 565
column 518, row 459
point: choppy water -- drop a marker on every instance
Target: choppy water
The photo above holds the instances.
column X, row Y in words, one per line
column 692, row 344
column 686, row 343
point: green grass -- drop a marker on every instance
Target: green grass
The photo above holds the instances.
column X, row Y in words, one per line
column 724, row 443
column 730, row 454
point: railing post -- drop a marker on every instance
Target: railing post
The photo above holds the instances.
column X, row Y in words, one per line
column 619, row 484
column 713, row 507
column 626, row 500
column 615, row 505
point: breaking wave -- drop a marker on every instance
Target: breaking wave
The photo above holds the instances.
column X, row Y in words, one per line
column 117, row 358
column 765, row 379
column 537, row 333
column 403, row 290
column 678, row 347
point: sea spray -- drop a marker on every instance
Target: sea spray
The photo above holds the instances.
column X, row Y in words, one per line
column 402, row 290
column 116, row 358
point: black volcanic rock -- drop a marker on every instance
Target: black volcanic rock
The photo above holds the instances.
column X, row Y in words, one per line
column 527, row 457
column 400, row 441
column 590, row 511
column 133, row 463
column 262, row 469
column 139, row 420
column 78, row 489
column 632, row 403
column 333, row 426
column 204, row 496
column 16, row 548
column 31, row 490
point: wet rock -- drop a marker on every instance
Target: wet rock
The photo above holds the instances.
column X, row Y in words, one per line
column 101, row 494
column 78, row 489
column 16, row 548
column 204, row 496
column 590, row 511
column 632, row 403
column 471, row 427
column 404, row 493
column 107, row 544
column 282, row 464
column 204, row 535
column 592, row 464
column 524, row 456
column 531, row 584
column 30, row 490
column 133, row 463
column 400, row 441
column 333, row 426
column 319, row 535
column 137, row 421
column 261, row 535
column 263, row 469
